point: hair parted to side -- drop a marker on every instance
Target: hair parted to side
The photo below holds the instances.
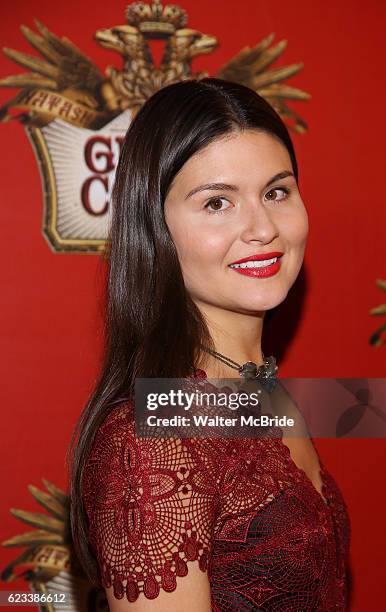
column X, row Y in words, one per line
column 152, row 326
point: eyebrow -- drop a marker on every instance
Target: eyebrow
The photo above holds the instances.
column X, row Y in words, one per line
column 224, row 186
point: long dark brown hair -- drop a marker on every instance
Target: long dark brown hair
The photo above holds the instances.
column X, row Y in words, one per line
column 152, row 326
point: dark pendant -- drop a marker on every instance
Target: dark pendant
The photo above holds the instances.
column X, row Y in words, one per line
column 248, row 370
column 265, row 373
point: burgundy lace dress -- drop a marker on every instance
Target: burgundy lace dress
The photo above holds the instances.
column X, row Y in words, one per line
column 240, row 507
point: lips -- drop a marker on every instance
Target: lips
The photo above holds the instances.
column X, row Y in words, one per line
column 262, row 265
column 258, row 257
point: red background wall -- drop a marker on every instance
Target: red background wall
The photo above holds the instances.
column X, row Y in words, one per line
column 50, row 308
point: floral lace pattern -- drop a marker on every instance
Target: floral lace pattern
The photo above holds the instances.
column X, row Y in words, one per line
column 241, row 508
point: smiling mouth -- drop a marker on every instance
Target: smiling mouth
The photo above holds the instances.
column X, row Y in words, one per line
column 263, row 263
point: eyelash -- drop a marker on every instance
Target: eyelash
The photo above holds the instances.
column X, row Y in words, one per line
column 220, row 212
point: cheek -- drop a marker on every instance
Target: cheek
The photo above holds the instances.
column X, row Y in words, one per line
column 294, row 229
column 200, row 244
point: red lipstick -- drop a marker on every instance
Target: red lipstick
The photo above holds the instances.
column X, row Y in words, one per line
column 258, row 271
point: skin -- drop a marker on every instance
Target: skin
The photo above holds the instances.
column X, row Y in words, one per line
column 256, row 219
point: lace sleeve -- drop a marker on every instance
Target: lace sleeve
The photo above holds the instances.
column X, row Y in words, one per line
column 151, row 505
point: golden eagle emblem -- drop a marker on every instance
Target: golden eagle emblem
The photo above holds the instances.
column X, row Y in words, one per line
column 48, row 562
column 65, row 100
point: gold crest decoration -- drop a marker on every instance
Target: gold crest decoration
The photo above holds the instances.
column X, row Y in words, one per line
column 48, row 562
column 76, row 116
column 378, row 337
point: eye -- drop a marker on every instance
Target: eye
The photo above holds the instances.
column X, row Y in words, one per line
column 215, row 201
column 274, row 192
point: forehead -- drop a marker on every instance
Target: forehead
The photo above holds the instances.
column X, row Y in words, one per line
column 237, row 156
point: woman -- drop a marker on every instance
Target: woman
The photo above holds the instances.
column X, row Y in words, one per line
column 208, row 233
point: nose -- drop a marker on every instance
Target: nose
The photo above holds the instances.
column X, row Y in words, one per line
column 257, row 224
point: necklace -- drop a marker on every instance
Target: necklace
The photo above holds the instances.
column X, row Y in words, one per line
column 249, row 370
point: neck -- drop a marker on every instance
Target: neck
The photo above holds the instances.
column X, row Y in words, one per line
column 236, row 335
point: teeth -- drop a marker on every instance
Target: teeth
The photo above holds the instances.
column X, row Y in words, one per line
column 255, row 264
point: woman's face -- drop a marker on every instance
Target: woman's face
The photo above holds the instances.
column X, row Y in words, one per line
column 226, row 205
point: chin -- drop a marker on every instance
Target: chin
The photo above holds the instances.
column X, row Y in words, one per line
column 261, row 305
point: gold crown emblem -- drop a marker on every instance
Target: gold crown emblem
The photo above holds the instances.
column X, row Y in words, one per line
column 156, row 19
